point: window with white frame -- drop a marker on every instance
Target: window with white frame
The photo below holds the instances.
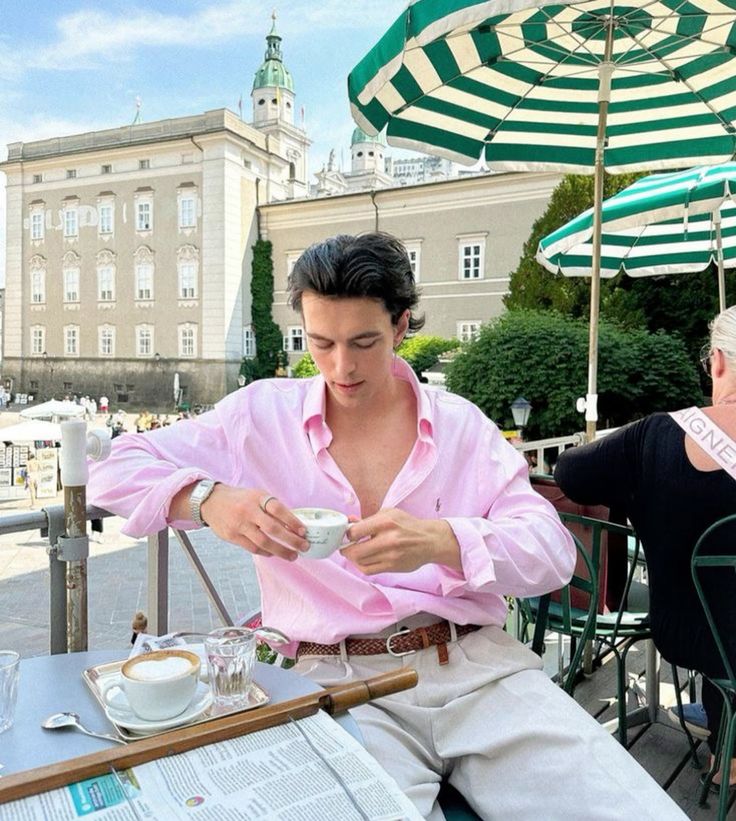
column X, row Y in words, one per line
column 106, row 340
column 249, row 342
column 414, row 252
column 468, row 329
column 144, row 281
column 71, row 340
column 105, row 218
column 471, row 257
column 291, row 259
column 71, row 284
column 38, row 340
column 37, row 178
column 187, row 280
column 144, row 340
column 294, row 339
column 187, row 213
column 38, row 280
column 71, row 173
column 144, row 215
column 106, row 283
column 37, row 224
column 144, row 164
column 187, row 341
column 71, row 221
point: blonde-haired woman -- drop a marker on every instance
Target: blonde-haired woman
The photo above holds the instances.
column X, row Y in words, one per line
column 655, row 473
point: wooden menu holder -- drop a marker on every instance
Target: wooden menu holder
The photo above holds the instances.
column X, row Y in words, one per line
column 333, row 700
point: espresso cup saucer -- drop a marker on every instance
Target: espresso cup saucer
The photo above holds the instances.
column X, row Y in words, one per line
column 119, row 713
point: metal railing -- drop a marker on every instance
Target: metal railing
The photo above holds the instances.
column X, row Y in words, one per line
column 539, row 446
column 69, row 633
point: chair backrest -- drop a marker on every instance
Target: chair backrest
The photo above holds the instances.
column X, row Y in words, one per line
column 550, row 490
column 713, row 568
column 568, row 618
column 596, row 534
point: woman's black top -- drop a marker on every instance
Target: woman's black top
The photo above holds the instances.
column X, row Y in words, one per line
column 642, row 471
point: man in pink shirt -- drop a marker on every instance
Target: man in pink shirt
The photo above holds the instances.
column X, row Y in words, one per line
column 445, row 523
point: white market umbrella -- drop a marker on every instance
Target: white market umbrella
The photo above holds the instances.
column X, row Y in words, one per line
column 559, row 86
column 177, row 389
column 53, row 409
column 661, row 224
column 32, row 431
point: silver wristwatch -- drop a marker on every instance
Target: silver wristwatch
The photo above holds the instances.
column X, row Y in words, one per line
column 200, row 494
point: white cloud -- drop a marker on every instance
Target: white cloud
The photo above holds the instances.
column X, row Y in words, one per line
column 86, row 36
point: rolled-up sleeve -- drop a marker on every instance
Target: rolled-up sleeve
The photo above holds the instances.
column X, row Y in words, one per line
column 145, row 471
column 519, row 547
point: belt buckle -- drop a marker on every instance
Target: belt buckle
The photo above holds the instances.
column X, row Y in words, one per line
column 394, row 653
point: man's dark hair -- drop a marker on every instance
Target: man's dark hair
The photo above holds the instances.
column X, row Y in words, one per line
column 373, row 265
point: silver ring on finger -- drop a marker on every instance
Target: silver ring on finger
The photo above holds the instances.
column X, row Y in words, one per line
column 263, row 504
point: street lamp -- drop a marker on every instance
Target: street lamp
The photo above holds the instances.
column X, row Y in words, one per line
column 520, row 409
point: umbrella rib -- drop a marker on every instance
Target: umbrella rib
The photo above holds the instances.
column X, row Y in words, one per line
column 673, row 72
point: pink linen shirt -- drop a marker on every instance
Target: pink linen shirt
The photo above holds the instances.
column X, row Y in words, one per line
column 273, row 435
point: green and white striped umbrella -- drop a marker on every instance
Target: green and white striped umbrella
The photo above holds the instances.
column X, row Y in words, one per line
column 569, row 86
column 662, row 224
column 517, row 81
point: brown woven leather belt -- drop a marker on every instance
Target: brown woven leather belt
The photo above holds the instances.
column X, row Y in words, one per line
column 401, row 643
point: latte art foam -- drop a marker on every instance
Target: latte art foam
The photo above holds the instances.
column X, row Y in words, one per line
column 158, row 669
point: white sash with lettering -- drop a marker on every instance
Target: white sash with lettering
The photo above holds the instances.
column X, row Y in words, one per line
column 714, row 441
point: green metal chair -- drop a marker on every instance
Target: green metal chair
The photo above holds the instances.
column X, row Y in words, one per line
column 718, row 536
column 573, row 621
column 617, row 630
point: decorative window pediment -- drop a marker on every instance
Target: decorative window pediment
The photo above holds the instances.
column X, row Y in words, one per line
column 143, row 255
column 71, row 259
column 106, row 257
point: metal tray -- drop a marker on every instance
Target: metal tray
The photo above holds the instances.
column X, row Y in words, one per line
column 94, row 676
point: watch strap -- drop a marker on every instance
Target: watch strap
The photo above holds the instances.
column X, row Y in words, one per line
column 199, row 495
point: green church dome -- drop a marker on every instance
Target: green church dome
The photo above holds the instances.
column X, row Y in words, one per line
column 359, row 136
column 273, row 72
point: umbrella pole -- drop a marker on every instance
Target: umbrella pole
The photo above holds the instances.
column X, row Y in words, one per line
column 716, row 217
column 605, row 70
column 74, row 545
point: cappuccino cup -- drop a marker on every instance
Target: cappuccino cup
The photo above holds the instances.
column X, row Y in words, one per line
column 158, row 685
column 325, row 530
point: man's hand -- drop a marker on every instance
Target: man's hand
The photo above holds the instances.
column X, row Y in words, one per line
column 393, row 541
column 235, row 515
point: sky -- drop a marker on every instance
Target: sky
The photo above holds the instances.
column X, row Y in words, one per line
column 68, row 67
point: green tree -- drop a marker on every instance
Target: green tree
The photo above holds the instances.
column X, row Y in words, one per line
column 543, row 357
column 422, row 351
column 535, row 288
column 682, row 304
column 305, row 367
column 269, row 342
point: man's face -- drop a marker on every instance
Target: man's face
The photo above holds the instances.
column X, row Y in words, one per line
column 352, row 340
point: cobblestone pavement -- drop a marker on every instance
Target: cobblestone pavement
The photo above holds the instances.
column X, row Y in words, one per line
column 116, row 585
column 116, row 579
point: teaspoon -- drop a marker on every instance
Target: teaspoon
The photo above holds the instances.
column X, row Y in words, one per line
column 60, row 721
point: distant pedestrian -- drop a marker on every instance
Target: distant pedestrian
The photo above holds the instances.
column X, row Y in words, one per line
column 104, row 404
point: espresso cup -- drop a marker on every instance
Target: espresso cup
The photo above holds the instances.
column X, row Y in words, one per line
column 158, row 685
column 325, row 530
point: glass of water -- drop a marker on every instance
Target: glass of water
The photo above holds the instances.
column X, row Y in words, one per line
column 231, row 653
column 9, row 670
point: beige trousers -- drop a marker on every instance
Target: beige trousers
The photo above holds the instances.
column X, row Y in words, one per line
column 507, row 738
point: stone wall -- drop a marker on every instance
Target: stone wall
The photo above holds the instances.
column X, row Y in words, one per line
column 131, row 384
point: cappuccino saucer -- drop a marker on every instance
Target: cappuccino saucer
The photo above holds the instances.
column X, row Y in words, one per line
column 119, row 712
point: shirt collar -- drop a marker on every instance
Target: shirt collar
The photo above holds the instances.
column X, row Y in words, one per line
column 313, row 409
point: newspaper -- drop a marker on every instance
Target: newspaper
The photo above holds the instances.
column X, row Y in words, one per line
column 310, row 770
